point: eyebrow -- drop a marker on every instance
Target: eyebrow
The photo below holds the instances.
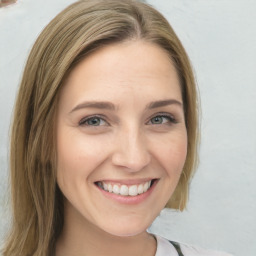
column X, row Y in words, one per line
column 163, row 103
column 95, row 104
column 111, row 106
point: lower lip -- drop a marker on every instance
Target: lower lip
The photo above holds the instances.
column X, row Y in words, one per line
column 129, row 199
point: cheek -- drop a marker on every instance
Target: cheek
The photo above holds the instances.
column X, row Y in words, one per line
column 76, row 160
column 77, row 156
column 172, row 154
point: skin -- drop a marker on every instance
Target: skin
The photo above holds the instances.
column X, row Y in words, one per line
column 130, row 140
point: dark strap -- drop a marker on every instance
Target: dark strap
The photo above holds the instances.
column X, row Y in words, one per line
column 177, row 247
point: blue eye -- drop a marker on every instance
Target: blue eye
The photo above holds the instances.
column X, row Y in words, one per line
column 93, row 121
column 162, row 119
column 157, row 120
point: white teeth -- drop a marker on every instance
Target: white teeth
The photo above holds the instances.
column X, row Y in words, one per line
column 125, row 190
column 133, row 191
column 140, row 189
column 105, row 186
column 110, row 188
column 145, row 187
column 116, row 189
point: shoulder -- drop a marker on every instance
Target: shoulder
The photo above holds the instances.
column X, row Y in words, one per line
column 197, row 251
column 165, row 247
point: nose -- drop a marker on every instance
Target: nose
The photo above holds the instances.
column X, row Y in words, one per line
column 131, row 151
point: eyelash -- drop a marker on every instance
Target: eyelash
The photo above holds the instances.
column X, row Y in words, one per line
column 170, row 118
column 84, row 121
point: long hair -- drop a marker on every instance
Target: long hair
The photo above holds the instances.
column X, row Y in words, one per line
column 80, row 29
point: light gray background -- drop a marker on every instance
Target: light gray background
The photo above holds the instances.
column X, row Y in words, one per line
column 220, row 38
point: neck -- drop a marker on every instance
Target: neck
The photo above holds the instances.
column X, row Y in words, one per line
column 80, row 237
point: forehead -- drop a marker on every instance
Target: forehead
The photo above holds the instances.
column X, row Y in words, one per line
column 128, row 67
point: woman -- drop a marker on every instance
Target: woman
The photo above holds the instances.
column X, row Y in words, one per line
column 104, row 134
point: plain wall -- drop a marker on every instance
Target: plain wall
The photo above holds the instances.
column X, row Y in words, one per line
column 220, row 39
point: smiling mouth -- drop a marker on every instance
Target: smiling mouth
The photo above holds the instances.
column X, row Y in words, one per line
column 125, row 190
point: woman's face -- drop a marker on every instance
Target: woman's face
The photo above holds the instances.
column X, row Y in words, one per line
column 121, row 137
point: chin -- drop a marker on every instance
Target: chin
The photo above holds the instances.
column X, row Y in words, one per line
column 127, row 234
column 125, row 231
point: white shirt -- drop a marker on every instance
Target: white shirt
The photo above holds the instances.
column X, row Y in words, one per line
column 165, row 248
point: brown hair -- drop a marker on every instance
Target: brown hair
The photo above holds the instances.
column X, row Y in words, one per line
column 81, row 28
